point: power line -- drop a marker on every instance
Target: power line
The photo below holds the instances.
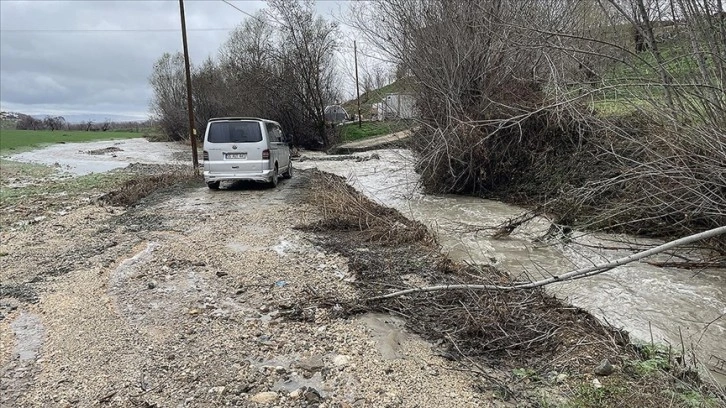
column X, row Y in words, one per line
column 243, row 12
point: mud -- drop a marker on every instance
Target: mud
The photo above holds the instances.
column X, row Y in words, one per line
column 182, row 300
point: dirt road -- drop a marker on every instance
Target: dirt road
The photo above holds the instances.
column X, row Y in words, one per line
column 185, row 300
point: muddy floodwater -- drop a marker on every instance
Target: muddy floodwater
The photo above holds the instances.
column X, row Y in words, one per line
column 662, row 304
column 101, row 156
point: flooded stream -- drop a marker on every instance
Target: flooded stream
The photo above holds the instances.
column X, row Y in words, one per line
column 665, row 304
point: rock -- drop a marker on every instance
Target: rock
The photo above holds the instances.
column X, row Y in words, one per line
column 221, row 274
column 596, row 383
column 604, row 368
column 311, row 395
column 314, row 363
column 561, row 377
column 217, row 390
column 151, row 285
column 266, row 397
column 341, row 360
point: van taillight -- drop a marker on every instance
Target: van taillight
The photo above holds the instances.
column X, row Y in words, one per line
column 205, row 156
column 265, row 154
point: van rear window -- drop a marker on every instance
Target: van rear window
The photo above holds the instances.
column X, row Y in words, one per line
column 234, row 132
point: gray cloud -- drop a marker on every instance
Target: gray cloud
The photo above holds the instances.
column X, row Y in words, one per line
column 47, row 69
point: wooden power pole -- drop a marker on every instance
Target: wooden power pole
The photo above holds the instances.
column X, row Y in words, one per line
column 190, row 109
column 357, row 87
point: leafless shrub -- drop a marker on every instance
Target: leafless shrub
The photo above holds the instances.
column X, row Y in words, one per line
column 511, row 96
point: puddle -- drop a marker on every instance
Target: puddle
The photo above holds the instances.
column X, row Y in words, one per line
column 283, row 247
column 386, row 331
column 28, row 331
column 128, row 267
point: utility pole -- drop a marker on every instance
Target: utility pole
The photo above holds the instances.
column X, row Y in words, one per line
column 190, row 109
column 357, row 88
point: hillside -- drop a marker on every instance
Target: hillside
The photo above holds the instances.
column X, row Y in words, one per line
column 367, row 99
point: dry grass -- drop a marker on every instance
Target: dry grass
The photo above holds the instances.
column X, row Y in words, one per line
column 344, row 209
column 132, row 191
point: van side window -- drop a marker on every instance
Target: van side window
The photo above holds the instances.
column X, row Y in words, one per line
column 272, row 133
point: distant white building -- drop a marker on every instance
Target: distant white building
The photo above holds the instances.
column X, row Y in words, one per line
column 395, row 106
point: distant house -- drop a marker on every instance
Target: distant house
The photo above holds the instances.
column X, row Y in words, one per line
column 335, row 114
column 395, row 106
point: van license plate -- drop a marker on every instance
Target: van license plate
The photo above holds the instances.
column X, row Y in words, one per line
column 236, row 155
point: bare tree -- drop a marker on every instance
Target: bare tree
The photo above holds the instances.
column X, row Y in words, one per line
column 307, row 46
column 169, row 103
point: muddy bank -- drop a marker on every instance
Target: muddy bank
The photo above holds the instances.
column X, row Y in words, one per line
column 671, row 306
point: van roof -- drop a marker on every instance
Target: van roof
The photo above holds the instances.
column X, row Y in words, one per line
column 240, row 118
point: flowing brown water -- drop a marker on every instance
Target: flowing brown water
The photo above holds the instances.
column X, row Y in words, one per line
column 671, row 306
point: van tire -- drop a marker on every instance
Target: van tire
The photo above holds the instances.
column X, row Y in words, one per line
column 288, row 174
column 213, row 185
column 275, row 178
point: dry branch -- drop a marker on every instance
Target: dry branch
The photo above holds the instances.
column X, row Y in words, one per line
column 577, row 274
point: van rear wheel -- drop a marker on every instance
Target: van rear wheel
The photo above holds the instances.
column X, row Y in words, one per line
column 213, row 185
column 288, row 174
column 275, row 177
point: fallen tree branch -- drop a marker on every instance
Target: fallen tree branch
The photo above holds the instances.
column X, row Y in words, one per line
column 576, row 274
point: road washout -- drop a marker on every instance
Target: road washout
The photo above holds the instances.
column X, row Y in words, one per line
column 188, row 298
column 200, row 298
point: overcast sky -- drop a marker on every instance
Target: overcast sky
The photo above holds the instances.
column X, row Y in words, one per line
column 95, row 57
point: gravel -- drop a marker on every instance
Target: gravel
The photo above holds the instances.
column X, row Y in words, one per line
column 186, row 300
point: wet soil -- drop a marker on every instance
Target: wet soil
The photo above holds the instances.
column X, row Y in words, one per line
column 189, row 298
column 193, row 297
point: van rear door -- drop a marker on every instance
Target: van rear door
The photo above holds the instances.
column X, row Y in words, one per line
column 234, row 147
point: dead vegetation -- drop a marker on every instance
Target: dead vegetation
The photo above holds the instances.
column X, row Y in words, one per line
column 344, row 209
column 513, row 329
column 132, row 191
column 512, row 93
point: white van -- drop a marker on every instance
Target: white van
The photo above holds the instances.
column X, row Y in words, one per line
column 245, row 149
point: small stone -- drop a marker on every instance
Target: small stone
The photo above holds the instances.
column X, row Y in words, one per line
column 341, row 360
column 217, row 390
column 560, row 378
column 311, row 395
column 314, row 363
column 266, row 397
column 194, row 312
column 596, row 383
column 604, row 368
column 280, row 370
column 151, row 285
column 221, row 273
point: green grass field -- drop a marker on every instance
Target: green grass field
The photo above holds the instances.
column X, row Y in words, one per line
column 14, row 141
column 351, row 132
